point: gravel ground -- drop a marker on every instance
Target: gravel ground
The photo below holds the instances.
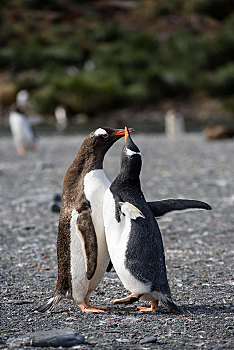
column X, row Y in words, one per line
column 198, row 245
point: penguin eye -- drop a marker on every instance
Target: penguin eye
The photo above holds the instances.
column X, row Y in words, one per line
column 105, row 136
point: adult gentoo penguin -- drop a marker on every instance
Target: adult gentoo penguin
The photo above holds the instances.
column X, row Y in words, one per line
column 81, row 246
column 133, row 237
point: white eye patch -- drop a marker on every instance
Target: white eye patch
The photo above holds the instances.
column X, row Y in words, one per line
column 129, row 152
column 100, row 132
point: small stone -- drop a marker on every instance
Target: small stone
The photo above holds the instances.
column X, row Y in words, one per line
column 66, row 337
column 57, row 198
column 55, row 208
column 148, row 340
column 20, row 302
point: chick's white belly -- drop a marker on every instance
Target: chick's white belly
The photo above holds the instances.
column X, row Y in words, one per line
column 117, row 236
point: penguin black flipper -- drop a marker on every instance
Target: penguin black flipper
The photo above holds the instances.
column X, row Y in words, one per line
column 87, row 232
column 117, row 207
column 162, row 207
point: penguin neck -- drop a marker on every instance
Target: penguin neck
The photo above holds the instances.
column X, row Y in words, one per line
column 129, row 176
column 130, row 169
column 88, row 161
column 81, row 166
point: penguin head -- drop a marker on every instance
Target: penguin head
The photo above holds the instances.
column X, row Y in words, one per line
column 131, row 157
column 102, row 139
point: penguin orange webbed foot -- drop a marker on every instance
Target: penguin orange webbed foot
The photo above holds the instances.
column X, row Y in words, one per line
column 93, row 310
column 86, row 308
column 100, row 308
column 144, row 309
column 130, row 299
column 154, row 307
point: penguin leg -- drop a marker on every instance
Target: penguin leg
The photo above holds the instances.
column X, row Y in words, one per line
column 21, row 151
column 130, row 299
column 154, row 307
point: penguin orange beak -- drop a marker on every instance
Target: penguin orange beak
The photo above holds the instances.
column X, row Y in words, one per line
column 122, row 132
column 127, row 133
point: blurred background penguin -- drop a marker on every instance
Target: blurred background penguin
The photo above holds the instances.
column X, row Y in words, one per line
column 24, row 137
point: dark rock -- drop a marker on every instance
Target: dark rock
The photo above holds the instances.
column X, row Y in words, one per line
column 57, row 198
column 148, row 340
column 56, row 203
column 55, row 337
column 20, row 302
column 55, row 208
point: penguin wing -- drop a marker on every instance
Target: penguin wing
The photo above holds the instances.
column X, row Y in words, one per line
column 109, row 267
column 88, row 235
column 160, row 208
column 130, row 210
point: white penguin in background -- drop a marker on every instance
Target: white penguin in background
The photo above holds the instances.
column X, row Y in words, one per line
column 61, row 118
column 174, row 123
column 23, row 135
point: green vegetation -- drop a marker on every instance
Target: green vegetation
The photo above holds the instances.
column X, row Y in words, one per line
column 91, row 58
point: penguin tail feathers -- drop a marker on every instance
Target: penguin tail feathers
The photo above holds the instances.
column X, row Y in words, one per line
column 51, row 304
column 170, row 305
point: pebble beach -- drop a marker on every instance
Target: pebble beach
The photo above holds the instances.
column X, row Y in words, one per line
column 198, row 245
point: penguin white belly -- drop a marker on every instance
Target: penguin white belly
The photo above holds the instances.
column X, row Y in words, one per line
column 117, row 236
column 80, row 283
column 95, row 186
